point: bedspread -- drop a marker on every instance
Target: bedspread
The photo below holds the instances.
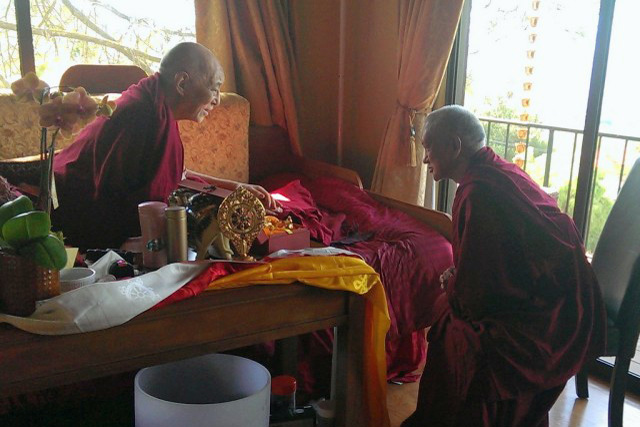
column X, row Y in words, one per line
column 408, row 255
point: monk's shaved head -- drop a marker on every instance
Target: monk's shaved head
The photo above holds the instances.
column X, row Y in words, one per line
column 455, row 121
column 193, row 58
column 191, row 77
column 452, row 135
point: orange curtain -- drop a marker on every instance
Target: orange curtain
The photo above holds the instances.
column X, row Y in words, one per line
column 425, row 35
column 253, row 42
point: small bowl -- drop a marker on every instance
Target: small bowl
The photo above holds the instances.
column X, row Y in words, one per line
column 76, row 277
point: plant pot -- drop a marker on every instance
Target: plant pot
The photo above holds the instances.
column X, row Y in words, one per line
column 23, row 282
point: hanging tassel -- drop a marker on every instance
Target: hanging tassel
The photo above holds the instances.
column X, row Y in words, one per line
column 413, row 150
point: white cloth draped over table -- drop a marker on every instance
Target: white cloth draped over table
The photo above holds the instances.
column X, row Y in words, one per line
column 103, row 304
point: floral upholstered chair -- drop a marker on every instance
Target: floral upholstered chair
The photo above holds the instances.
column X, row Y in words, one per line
column 217, row 147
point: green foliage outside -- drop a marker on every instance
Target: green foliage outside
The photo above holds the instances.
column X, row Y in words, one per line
column 599, row 211
column 505, row 145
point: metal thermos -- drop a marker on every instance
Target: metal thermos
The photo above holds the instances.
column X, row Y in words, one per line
column 176, row 233
column 153, row 227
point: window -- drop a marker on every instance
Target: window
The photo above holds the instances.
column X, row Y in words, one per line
column 67, row 32
column 528, row 76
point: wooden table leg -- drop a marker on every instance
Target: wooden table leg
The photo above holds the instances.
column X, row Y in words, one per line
column 348, row 375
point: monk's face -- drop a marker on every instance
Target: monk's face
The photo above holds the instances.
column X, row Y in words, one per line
column 440, row 155
column 202, row 92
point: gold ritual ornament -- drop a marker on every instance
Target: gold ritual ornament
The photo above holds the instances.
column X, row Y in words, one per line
column 241, row 217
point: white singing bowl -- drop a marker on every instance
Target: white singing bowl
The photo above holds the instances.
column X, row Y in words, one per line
column 212, row 390
column 76, row 277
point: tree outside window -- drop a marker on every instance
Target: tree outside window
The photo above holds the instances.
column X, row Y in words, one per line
column 68, row 32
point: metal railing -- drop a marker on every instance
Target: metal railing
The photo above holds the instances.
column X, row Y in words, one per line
column 545, row 140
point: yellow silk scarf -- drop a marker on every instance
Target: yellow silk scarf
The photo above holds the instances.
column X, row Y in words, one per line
column 341, row 273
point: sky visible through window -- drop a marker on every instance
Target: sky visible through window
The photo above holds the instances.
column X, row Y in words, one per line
column 167, row 13
column 564, row 46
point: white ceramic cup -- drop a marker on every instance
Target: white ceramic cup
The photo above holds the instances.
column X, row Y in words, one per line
column 76, row 277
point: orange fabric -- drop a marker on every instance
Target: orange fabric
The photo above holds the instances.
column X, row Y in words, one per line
column 343, row 274
column 253, row 42
column 425, row 32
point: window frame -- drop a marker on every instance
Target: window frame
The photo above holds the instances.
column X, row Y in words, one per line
column 25, row 36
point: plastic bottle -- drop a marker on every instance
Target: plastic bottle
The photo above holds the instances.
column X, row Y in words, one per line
column 283, row 395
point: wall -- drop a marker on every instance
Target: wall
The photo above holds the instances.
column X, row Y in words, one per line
column 369, row 82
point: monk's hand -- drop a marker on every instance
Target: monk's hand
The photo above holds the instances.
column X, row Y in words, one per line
column 444, row 277
column 264, row 196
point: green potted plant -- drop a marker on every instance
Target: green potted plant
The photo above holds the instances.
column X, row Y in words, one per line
column 30, row 254
column 30, row 257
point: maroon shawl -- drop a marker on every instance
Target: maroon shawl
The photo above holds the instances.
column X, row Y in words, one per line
column 523, row 311
column 116, row 163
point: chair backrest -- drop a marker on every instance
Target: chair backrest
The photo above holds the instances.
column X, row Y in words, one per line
column 615, row 260
column 97, row 78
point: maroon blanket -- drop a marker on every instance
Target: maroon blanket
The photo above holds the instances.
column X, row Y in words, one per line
column 408, row 255
column 116, row 163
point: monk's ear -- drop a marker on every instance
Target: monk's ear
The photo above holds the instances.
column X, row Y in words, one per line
column 180, row 81
column 456, row 145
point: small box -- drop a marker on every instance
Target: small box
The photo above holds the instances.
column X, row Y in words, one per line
column 298, row 239
column 203, row 187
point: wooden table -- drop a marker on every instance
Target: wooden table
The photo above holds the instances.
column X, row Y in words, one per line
column 211, row 322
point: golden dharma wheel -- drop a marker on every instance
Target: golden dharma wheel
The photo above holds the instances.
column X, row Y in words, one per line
column 241, row 216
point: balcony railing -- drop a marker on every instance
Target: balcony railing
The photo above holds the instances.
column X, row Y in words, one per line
column 552, row 159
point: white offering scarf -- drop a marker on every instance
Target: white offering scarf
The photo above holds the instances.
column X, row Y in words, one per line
column 102, row 305
column 105, row 304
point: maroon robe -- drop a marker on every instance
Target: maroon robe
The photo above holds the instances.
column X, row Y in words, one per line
column 522, row 313
column 116, row 163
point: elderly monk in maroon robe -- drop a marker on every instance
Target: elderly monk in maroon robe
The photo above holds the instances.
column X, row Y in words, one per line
column 521, row 310
column 137, row 155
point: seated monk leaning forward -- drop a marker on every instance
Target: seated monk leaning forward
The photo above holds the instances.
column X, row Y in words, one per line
column 521, row 310
column 137, row 155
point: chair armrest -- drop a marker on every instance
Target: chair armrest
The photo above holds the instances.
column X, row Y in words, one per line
column 439, row 221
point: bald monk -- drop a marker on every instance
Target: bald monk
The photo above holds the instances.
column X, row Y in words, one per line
column 137, row 155
column 521, row 310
